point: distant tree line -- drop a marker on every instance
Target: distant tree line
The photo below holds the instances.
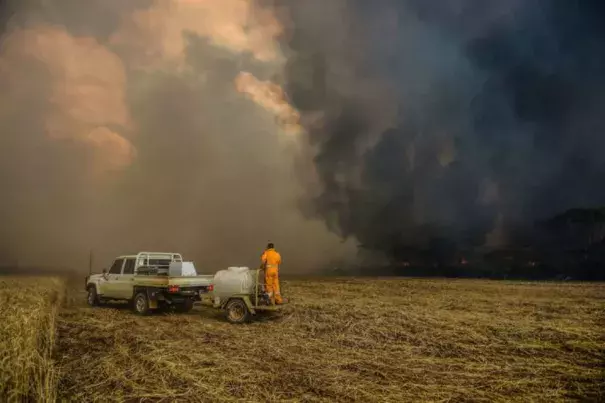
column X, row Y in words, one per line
column 568, row 246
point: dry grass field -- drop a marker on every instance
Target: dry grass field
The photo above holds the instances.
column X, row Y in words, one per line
column 28, row 313
column 385, row 340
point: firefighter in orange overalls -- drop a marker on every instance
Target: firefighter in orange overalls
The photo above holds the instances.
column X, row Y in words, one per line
column 271, row 260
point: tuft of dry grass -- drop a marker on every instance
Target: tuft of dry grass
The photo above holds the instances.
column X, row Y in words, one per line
column 382, row 340
column 28, row 312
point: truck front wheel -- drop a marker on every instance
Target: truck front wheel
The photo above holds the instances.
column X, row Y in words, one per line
column 141, row 304
column 93, row 297
column 237, row 311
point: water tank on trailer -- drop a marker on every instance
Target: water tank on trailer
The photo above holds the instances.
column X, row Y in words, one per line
column 234, row 280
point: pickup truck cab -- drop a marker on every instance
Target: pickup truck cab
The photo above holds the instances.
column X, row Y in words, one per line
column 149, row 281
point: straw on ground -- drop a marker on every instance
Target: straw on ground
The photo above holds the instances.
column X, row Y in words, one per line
column 388, row 340
column 28, row 312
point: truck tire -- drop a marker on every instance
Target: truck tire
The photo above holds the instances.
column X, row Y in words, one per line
column 140, row 304
column 237, row 311
column 93, row 297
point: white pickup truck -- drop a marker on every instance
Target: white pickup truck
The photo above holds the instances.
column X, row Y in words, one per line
column 149, row 281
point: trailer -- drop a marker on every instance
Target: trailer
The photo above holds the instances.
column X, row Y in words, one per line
column 240, row 293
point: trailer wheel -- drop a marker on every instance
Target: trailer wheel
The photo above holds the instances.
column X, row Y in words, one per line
column 141, row 304
column 93, row 297
column 237, row 311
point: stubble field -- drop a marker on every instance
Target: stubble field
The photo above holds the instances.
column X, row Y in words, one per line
column 380, row 340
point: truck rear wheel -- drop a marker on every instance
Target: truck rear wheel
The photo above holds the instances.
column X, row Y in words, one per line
column 141, row 304
column 237, row 311
column 93, row 297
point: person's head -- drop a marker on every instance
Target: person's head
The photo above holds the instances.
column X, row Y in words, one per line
column 270, row 245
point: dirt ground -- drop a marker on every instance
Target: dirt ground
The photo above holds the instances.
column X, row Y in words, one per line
column 385, row 340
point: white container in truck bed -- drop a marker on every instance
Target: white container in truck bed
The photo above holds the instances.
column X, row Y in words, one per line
column 179, row 269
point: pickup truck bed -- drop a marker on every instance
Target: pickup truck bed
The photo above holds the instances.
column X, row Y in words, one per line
column 165, row 281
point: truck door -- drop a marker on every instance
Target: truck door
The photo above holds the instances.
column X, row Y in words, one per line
column 109, row 286
column 124, row 283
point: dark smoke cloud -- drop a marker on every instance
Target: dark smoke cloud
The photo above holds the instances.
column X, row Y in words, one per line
column 455, row 119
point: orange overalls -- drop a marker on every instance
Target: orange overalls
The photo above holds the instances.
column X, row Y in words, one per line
column 272, row 260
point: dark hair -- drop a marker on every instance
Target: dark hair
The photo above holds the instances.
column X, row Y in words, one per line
column 270, row 245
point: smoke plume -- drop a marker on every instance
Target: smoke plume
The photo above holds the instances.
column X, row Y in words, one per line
column 211, row 127
column 149, row 125
column 454, row 121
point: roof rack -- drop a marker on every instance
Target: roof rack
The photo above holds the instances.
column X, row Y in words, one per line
column 145, row 256
column 143, row 266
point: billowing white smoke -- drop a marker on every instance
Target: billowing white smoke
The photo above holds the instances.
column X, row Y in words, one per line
column 150, row 125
